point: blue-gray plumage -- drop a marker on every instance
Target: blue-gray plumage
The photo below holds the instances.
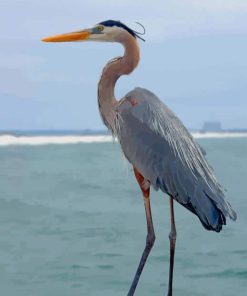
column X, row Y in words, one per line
column 156, row 142
column 163, row 153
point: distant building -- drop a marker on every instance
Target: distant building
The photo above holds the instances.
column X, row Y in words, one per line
column 211, row 126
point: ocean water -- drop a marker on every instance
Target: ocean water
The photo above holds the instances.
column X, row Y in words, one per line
column 72, row 223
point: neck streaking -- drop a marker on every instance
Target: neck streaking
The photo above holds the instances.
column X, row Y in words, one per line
column 112, row 71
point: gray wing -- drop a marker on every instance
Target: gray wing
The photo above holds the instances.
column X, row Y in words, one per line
column 156, row 142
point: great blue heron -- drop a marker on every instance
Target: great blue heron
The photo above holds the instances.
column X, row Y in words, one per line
column 156, row 143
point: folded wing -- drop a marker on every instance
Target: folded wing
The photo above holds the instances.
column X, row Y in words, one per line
column 156, row 142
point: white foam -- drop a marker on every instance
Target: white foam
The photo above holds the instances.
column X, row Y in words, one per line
column 7, row 140
column 199, row 135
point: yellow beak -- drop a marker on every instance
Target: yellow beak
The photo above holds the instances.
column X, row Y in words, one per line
column 68, row 37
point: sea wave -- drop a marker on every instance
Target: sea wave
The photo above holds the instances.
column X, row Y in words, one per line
column 7, row 140
column 199, row 135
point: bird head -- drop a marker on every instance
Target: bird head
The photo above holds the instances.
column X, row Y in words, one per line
column 107, row 31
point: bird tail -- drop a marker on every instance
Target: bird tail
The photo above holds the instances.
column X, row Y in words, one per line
column 211, row 211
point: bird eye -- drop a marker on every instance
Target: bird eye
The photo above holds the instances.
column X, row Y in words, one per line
column 100, row 28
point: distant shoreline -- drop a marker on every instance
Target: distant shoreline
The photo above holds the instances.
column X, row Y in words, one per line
column 88, row 132
column 10, row 139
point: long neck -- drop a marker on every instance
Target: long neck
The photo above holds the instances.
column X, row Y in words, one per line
column 112, row 71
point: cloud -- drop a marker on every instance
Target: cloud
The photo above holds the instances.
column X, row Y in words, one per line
column 220, row 5
column 17, row 60
column 14, row 71
column 63, row 78
column 162, row 18
column 13, row 82
column 60, row 74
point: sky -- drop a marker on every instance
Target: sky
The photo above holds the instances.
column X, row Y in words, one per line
column 194, row 60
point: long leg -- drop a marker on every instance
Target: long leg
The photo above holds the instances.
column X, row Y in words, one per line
column 150, row 231
column 172, row 237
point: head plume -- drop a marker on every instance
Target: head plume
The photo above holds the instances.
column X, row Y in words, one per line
column 112, row 23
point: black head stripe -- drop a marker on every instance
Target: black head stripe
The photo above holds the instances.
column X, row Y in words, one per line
column 112, row 23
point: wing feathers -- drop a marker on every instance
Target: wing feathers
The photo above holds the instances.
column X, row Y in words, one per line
column 157, row 143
